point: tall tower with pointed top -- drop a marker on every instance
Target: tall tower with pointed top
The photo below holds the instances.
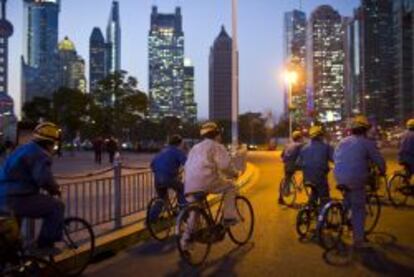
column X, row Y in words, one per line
column 97, row 58
column 7, row 118
column 113, row 38
column 220, row 78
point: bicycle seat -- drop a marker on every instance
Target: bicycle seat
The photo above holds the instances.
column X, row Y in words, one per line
column 343, row 188
column 196, row 196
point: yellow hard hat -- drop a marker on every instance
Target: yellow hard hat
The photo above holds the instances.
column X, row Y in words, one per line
column 46, row 131
column 315, row 131
column 296, row 134
column 410, row 123
column 360, row 121
column 208, row 127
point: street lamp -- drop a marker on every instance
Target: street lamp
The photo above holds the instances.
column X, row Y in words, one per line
column 234, row 79
column 290, row 77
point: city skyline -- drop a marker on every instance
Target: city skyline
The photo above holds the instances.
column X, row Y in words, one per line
column 259, row 51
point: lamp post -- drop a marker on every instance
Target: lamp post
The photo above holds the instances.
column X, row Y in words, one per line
column 234, row 79
column 290, row 78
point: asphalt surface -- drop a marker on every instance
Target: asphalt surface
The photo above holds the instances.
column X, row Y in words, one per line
column 275, row 249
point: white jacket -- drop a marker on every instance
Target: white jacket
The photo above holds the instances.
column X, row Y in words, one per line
column 208, row 164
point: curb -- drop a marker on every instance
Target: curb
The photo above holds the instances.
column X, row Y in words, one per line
column 108, row 245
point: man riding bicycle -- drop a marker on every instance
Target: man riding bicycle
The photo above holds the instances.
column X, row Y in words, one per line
column 166, row 167
column 24, row 173
column 406, row 152
column 209, row 169
column 314, row 160
column 289, row 157
column 353, row 157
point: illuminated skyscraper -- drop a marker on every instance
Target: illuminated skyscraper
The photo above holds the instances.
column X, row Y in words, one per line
column 40, row 59
column 71, row 67
column 166, row 65
column 220, row 78
column 378, row 97
column 8, row 121
column 325, row 64
column 189, row 105
column 403, row 31
column 113, row 38
column 97, row 58
column 294, row 57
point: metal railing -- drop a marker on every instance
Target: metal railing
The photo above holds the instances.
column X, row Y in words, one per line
column 108, row 196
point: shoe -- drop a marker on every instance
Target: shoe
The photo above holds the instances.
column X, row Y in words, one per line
column 228, row 222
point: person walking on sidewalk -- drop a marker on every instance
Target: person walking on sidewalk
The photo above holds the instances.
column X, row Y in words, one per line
column 112, row 148
column 97, row 149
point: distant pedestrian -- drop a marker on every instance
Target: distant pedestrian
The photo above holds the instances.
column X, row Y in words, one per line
column 97, row 148
column 112, row 148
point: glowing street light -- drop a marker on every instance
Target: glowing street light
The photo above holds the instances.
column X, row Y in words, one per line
column 291, row 78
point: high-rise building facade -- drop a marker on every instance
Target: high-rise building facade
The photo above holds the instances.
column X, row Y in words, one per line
column 97, row 58
column 71, row 67
column 403, row 73
column 8, row 120
column 166, row 65
column 40, row 59
column 325, row 64
column 378, row 99
column 113, row 38
column 220, row 81
column 294, row 44
column 189, row 104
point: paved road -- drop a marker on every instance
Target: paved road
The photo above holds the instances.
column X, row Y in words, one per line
column 275, row 249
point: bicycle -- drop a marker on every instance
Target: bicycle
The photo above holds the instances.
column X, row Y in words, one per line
column 197, row 224
column 335, row 217
column 306, row 218
column 13, row 261
column 399, row 187
column 161, row 226
column 289, row 191
column 78, row 242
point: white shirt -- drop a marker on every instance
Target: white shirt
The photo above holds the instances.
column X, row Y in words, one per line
column 205, row 166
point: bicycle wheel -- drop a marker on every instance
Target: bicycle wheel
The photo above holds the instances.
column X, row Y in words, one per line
column 372, row 212
column 194, row 236
column 330, row 225
column 158, row 219
column 287, row 189
column 30, row 266
column 395, row 189
column 79, row 244
column 303, row 222
column 242, row 232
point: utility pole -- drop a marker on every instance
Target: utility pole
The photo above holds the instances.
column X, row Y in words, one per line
column 235, row 79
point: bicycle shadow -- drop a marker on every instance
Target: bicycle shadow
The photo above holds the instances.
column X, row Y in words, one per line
column 220, row 266
column 385, row 256
column 154, row 248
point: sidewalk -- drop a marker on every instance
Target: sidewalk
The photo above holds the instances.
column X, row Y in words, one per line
column 83, row 162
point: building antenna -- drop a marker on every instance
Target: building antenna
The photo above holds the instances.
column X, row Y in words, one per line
column 300, row 5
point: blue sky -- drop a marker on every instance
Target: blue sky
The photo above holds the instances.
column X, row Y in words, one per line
column 260, row 40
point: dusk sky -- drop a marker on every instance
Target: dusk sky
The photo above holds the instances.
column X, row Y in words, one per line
column 260, row 40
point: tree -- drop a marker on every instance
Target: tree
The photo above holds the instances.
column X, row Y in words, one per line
column 70, row 110
column 118, row 105
column 39, row 108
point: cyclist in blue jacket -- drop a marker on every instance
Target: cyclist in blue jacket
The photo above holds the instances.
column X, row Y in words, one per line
column 166, row 167
column 406, row 152
column 353, row 157
column 25, row 172
column 314, row 160
column 289, row 157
